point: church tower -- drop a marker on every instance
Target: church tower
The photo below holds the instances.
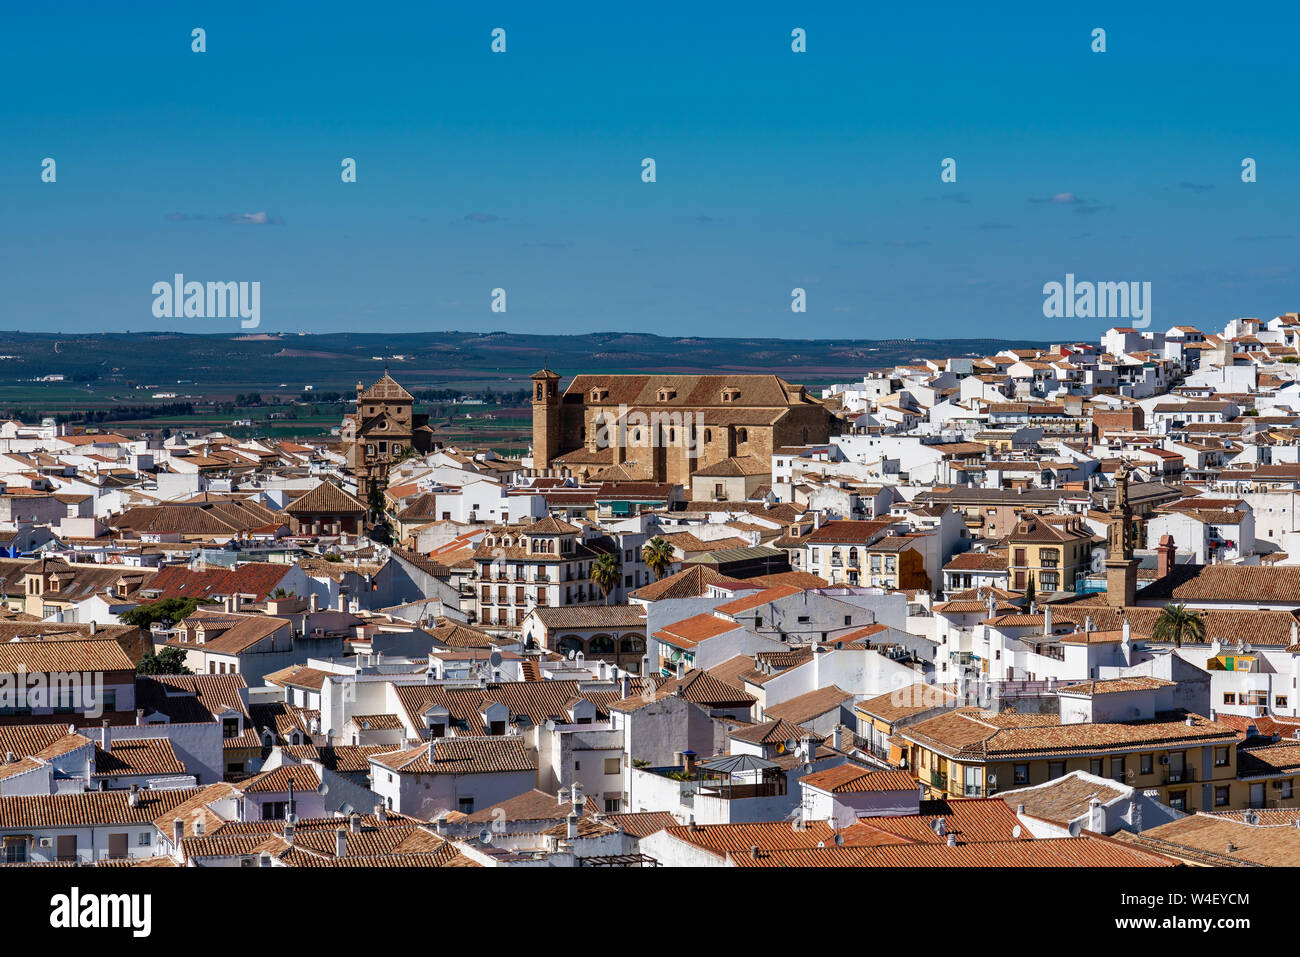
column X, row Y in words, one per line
column 1121, row 567
column 546, row 417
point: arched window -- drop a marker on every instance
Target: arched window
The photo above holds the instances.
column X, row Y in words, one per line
column 632, row 645
column 601, row 645
column 569, row 644
column 742, row 435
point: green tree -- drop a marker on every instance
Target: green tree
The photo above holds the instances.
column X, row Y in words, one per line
column 1030, row 593
column 168, row 661
column 605, row 574
column 165, row 610
column 658, row 554
column 1175, row 623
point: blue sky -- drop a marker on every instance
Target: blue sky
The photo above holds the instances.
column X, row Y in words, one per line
column 522, row 170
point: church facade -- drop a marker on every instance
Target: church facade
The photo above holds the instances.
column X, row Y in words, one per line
column 666, row 428
column 382, row 431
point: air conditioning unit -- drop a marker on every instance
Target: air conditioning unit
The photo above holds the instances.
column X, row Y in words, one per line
column 46, row 842
column 1164, row 759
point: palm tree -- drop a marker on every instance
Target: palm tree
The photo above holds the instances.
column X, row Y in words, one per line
column 658, row 554
column 1175, row 623
column 606, row 572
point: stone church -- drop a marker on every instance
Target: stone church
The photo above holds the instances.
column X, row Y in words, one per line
column 383, row 430
column 666, row 428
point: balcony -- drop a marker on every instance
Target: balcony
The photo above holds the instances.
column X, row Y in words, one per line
column 1185, row 776
column 939, row 780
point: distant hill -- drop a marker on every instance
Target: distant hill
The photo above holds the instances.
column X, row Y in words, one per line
column 428, row 359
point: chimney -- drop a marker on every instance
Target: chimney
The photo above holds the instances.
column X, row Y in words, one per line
column 564, row 796
column 139, row 717
column 93, row 627
column 354, row 822
column 106, row 736
column 1165, row 556
column 200, row 827
column 342, row 604
column 754, row 853
column 133, row 798
column 625, row 686
column 440, row 825
column 313, row 603
column 681, row 669
column 837, row 738
column 1047, row 620
column 952, row 840
column 178, row 831
column 1020, row 809
column 807, row 744
column 381, row 813
column 571, row 829
column 1126, row 631
column 340, row 843
column 288, row 829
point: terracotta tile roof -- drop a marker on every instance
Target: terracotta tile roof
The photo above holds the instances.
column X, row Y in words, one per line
column 1089, row 851
column 851, row 778
column 534, row 805
column 592, row 616
column 135, row 756
column 691, row 582
column 767, row 595
column 1226, row 840
column 1117, row 685
column 809, row 705
column 80, row 809
column 256, row 579
column 325, row 499
column 303, row 777
column 479, row 755
column 774, row 732
column 1061, row 800
column 848, row 532
column 905, row 702
column 981, row 735
column 75, row 655
column 691, row 631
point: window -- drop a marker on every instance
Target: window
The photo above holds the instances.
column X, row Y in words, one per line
column 1286, row 790
column 1055, row 769
column 1220, row 757
column 1021, row 774
column 1095, row 766
column 1279, row 701
column 143, row 839
column 1221, row 797
column 15, row 850
column 1178, row 800
column 612, row 765
column 1229, row 697
column 466, row 805
column 230, row 727
column 1148, row 763
column 613, row 805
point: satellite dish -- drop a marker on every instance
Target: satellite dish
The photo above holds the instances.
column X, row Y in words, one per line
column 485, row 836
column 495, row 659
column 572, row 654
column 550, row 724
column 1015, row 831
column 1245, row 648
column 323, row 789
column 1075, row 828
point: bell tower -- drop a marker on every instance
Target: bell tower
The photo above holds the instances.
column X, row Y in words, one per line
column 546, row 417
column 1121, row 567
